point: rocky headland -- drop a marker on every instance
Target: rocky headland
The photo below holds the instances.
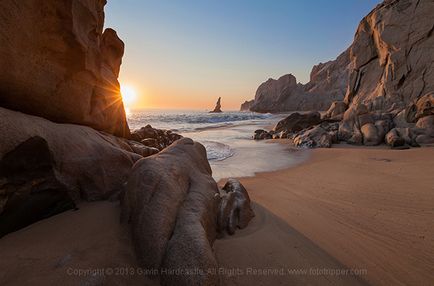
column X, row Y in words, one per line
column 384, row 83
column 327, row 84
column 66, row 143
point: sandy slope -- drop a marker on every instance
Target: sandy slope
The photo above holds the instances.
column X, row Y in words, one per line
column 63, row 249
column 368, row 209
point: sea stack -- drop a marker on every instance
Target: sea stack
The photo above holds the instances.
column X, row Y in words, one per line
column 218, row 106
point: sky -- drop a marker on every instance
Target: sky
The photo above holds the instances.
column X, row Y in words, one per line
column 185, row 54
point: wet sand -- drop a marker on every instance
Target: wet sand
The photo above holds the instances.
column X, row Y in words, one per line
column 366, row 209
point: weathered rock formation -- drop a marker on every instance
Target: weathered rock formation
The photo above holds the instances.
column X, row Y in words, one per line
column 390, row 91
column 392, row 59
column 235, row 209
column 218, row 106
column 391, row 75
column 181, row 236
column 46, row 167
column 155, row 138
column 247, row 105
column 328, row 82
column 57, row 62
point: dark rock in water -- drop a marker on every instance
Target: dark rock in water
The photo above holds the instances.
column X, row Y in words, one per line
column 173, row 214
column 235, row 209
column 155, row 138
column 57, row 62
column 297, row 122
column 261, row 134
column 29, row 188
column 218, row 107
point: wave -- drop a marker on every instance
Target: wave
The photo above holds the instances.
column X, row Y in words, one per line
column 217, row 151
column 191, row 121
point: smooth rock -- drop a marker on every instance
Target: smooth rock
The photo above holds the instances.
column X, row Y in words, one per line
column 57, row 62
column 173, row 215
column 314, row 137
column 370, row 135
column 45, row 165
column 297, row 122
column 235, row 209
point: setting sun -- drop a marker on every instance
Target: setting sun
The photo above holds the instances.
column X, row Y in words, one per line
column 129, row 95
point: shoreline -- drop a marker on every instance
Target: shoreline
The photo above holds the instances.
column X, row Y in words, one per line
column 354, row 206
column 313, row 221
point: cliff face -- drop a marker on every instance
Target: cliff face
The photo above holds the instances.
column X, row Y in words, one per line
column 390, row 90
column 392, row 57
column 57, row 62
column 388, row 66
column 328, row 83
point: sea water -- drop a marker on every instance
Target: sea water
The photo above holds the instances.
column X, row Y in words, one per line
column 227, row 138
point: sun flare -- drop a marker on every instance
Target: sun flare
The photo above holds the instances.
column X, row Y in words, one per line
column 129, row 95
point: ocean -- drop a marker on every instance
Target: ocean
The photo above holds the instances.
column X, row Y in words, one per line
column 227, row 138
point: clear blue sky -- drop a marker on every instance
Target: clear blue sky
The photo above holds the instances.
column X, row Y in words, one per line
column 187, row 53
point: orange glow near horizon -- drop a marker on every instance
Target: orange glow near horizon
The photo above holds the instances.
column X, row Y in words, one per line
column 172, row 98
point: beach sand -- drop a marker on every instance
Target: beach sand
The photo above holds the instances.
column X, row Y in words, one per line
column 366, row 209
column 84, row 247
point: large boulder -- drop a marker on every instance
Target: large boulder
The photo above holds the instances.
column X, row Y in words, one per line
column 262, row 134
column 297, row 122
column 370, row 135
column 173, row 215
column 46, row 167
column 314, row 137
column 57, row 62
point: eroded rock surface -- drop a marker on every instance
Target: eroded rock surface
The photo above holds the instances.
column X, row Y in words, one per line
column 328, row 83
column 44, row 165
column 171, row 201
column 390, row 80
column 235, row 208
column 154, row 138
column 57, row 62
